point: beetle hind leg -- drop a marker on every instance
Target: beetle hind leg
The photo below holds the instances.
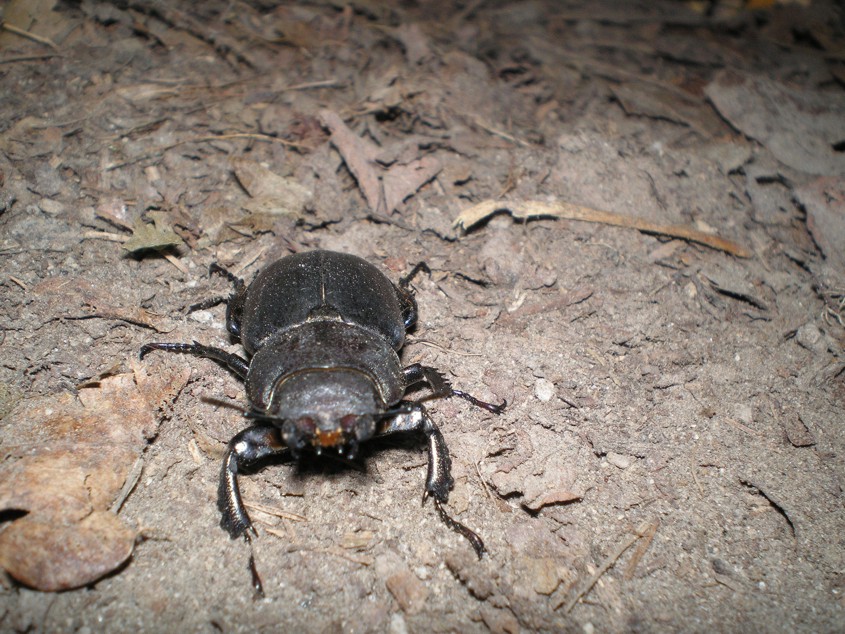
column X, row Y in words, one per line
column 406, row 295
column 441, row 388
column 234, row 301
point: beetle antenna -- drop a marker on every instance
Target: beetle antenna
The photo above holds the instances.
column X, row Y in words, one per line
column 252, row 414
column 222, row 402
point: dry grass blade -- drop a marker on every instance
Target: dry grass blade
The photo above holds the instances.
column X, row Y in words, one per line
column 567, row 211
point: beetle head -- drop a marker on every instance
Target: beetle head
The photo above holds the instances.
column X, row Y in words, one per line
column 330, row 408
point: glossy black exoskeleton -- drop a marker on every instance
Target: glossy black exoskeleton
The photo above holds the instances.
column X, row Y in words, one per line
column 322, row 333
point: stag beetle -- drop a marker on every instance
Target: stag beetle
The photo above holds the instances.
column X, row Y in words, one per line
column 322, row 332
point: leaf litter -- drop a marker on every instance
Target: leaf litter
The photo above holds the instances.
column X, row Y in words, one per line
column 67, row 460
column 672, row 375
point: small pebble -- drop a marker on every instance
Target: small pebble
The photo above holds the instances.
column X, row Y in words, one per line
column 202, row 316
column 810, row 337
column 618, row 460
column 544, row 390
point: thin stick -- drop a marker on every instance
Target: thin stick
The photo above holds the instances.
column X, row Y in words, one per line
column 30, row 36
column 175, row 262
column 20, row 283
column 741, row 427
column 499, row 133
column 639, row 552
column 128, row 485
column 28, row 58
column 606, row 565
column 205, row 139
column 105, row 235
column 437, row 346
column 277, row 513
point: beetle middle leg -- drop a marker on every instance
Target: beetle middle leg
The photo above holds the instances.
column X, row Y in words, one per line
column 438, row 481
column 441, row 388
column 235, row 363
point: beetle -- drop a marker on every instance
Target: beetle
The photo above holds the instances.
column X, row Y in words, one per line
column 322, row 332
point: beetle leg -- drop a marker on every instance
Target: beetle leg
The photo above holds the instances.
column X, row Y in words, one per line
column 406, row 295
column 235, row 301
column 441, row 388
column 211, row 302
column 235, row 363
column 406, row 281
column 249, row 446
column 438, row 481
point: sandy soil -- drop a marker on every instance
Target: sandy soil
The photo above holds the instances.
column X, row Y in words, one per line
column 671, row 458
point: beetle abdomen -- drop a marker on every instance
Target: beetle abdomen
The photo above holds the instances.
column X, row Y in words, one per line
column 298, row 287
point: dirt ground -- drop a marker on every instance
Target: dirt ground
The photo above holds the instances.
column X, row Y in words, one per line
column 671, row 457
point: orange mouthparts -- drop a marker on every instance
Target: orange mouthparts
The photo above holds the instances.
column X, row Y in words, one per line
column 327, row 439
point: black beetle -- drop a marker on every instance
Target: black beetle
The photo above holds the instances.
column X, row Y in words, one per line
column 322, row 333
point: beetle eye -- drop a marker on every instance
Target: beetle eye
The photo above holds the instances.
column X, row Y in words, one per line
column 347, row 423
column 307, row 425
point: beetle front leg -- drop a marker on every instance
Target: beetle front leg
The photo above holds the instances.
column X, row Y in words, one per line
column 441, row 388
column 439, row 479
column 249, row 446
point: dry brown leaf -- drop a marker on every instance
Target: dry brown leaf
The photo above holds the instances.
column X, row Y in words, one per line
column 359, row 156
column 51, row 556
column 800, row 126
column 270, row 193
column 526, row 209
column 67, row 459
column 556, row 495
column 383, row 189
column 402, row 181
column 824, row 202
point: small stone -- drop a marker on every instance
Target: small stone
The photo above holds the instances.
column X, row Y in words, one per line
column 544, row 390
column 50, row 206
column 618, row 460
column 202, row 316
column 410, row 593
column 810, row 337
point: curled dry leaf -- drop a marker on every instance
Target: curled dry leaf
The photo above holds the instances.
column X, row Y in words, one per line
column 359, row 155
column 67, row 457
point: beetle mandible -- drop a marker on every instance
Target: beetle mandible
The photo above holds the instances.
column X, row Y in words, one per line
column 322, row 332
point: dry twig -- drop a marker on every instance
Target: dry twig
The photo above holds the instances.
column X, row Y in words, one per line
column 644, row 530
column 11, row 28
